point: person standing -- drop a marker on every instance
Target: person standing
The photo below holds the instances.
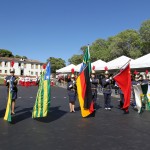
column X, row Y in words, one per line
column 121, row 98
column 72, row 93
column 106, row 84
column 11, row 83
column 94, row 83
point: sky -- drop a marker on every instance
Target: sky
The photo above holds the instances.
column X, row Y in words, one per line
column 40, row 29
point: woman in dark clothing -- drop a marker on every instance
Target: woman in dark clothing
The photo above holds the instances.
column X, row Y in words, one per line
column 72, row 93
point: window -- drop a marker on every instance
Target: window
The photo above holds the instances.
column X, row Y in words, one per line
column 0, row 63
column 22, row 64
column 0, row 71
column 5, row 71
column 19, row 64
column 6, row 64
column 31, row 72
column 32, row 66
column 25, row 65
column 36, row 73
column 36, row 66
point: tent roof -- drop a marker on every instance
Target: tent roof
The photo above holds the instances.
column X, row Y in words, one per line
column 78, row 67
column 143, row 58
column 99, row 64
column 141, row 62
column 118, row 62
column 67, row 68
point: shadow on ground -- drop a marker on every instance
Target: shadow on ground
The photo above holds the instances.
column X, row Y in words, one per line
column 22, row 115
column 54, row 114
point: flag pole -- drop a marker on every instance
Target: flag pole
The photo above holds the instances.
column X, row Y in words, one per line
column 121, row 68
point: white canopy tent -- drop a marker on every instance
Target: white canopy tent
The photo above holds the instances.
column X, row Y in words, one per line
column 77, row 69
column 141, row 62
column 99, row 65
column 118, row 62
column 66, row 69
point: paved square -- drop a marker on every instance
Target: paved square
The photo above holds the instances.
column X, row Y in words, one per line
column 61, row 130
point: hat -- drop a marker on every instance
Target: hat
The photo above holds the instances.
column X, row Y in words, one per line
column 72, row 76
column 12, row 70
column 93, row 71
column 106, row 72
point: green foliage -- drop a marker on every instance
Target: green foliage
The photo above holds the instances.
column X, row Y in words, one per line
column 130, row 43
column 56, row 63
column 18, row 56
column 83, row 49
column 99, row 50
column 5, row 53
column 24, row 57
column 125, row 43
column 145, row 36
column 76, row 59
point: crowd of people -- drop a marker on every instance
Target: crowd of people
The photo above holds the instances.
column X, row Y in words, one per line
column 106, row 83
column 26, row 81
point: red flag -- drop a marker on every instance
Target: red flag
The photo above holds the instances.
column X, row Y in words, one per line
column 123, row 80
column 12, row 63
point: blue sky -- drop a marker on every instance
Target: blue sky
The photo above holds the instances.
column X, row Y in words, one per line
column 40, row 29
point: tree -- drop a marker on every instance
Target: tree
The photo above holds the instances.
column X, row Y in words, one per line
column 145, row 36
column 126, row 43
column 83, row 48
column 56, row 63
column 76, row 59
column 5, row 53
column 24, row 57
column 18, row 56
column 99, row 50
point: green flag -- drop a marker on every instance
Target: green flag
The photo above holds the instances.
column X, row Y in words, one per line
column 42, row 103
column 86, row 61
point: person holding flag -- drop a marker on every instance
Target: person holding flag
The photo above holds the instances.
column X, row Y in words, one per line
column 106, row 84
column 94, row 82
column 123, row 79
column 42, row 103
column 84, row 86
column 85, row 93
column 11, row 83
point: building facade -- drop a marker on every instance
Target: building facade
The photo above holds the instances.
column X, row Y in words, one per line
column 23, row 67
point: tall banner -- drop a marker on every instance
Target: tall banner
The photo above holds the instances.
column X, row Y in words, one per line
column 43, row 98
